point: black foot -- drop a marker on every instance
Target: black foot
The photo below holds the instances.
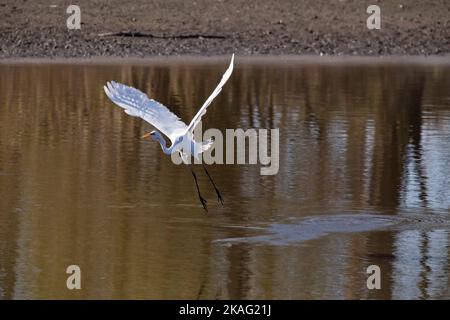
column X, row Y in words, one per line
column 204, row 202
column 219, row 197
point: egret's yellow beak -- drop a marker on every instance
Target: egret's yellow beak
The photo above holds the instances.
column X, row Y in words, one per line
column 146, row 135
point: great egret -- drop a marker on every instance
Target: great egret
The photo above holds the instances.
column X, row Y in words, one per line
column 137, row 104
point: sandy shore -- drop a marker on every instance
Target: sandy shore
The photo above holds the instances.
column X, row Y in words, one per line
column 37, row 29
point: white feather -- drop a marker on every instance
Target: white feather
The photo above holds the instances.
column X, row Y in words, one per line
column 214, row 94
column 137, row 104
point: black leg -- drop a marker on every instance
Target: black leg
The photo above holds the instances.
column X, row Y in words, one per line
column 202, row 200
column 219, row 196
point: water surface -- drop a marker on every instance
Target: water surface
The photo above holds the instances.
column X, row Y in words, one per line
column 364, row 179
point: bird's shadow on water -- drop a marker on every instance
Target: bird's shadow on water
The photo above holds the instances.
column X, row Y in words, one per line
column 298, row 230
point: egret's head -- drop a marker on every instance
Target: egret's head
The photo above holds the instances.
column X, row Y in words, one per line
column 150, row 134
column 153, row 134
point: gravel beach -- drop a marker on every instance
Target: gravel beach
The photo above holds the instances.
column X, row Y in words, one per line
column 37, row 29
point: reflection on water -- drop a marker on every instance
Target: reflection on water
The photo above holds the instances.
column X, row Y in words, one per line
column 299, row 230
column 364, row 148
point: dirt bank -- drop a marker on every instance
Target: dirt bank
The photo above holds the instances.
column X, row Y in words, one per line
column 210, row 27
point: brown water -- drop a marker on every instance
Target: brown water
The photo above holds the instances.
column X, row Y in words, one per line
column 364, row 179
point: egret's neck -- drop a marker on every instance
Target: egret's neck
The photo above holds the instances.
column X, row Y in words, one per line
column 162, row 142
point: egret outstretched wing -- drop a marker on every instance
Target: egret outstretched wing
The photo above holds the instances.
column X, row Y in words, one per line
column 214, row 94
column 137, row 104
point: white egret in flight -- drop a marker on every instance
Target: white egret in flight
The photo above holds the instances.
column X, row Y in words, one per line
column 137, row 104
